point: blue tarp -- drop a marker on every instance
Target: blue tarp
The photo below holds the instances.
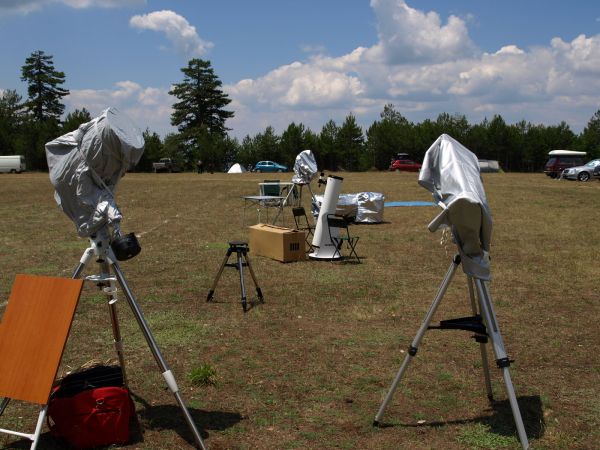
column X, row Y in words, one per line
column 413, row 203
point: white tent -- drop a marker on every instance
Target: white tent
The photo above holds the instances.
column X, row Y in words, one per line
column 237, row 168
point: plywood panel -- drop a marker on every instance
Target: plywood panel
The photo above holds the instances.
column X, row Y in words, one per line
column 33, row 333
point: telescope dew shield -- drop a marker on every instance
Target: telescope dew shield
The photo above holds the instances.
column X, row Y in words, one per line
column 324, row 248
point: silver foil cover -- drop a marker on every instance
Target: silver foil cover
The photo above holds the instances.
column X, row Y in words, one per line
column 364, row 207
column 451, row 173
column 370, row 207
column 86, row 165
column 305, row 168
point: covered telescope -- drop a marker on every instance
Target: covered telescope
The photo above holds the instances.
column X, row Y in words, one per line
column 305, row 168
column 451, row 173
column 86, row 165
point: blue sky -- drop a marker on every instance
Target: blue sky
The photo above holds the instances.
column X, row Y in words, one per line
column 282, row 61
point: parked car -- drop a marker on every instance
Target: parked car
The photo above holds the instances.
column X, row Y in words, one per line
column 269, row 166
column 561, row 160
column 166, row 165
column 583, row 173
column 405, row 165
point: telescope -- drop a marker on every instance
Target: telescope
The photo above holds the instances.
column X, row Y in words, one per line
column 451, row 173
column 86, row 166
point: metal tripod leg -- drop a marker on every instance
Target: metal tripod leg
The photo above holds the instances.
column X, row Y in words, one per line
column 482, row 348
column 502, row 360
column 111, row 292
column 4, row 404
column 240, row 267
column 211, row 293
column 258, row 290
column 241, row 250
column 412, row 350
column 166, row 372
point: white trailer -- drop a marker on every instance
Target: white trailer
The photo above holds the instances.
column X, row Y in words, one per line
column 12, row 164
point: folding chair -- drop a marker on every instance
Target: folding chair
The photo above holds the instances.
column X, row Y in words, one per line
column 302, row 224
column 33, row 333
column 272, row 188
column 339, row 222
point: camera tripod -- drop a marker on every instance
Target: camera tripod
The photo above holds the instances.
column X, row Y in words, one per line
column 100, row 249
column 241, row 249
column 485, row 326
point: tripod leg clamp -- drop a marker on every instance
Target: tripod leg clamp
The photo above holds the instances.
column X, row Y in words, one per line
column 503, row 362
column 412, row 351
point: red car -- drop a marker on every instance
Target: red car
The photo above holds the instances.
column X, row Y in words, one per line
column 405, row 165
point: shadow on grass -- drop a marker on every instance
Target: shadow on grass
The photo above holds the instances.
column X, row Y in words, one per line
column 170, row 417
column 501, row 421
column 250, row 303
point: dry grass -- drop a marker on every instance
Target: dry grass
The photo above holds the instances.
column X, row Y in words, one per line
column 309, row 368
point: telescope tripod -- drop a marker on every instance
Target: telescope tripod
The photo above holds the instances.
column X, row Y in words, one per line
column 485, row 326
column 107, row 262
column 241, row 249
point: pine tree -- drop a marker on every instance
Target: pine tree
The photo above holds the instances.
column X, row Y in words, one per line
column 74, row 119
column 350, row 139
column 44, row 89
column 11, row 121
column 591, row 136
column 201, row 102
column 329, row 155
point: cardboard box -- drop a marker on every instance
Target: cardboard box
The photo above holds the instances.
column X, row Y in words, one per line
column 282, row 244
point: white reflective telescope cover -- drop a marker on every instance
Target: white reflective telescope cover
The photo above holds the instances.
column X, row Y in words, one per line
column 451, row 173
column 305, row 167
column 86, row 165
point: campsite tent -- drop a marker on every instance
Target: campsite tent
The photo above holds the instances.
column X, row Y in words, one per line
column 236, row 168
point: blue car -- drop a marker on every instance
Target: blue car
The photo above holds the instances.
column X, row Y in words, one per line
column 269, row 166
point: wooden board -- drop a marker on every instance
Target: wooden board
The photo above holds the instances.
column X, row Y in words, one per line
column 33, row 333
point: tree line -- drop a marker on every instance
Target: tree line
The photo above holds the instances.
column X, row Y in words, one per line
column 200, row 116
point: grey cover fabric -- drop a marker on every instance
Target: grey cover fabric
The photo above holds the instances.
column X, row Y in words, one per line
column 86, row 165
column 451, row 173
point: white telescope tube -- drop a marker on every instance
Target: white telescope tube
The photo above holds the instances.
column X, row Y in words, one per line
column 324, row 248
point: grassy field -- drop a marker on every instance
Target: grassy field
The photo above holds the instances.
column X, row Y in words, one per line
column 309, row 367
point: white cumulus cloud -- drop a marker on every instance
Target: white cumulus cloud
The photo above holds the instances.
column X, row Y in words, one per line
column 29, row 6
column 422, row 63
column 299, row 85
column 407, row 34
column 148, row 107
column 177, row 29
column 425, row 67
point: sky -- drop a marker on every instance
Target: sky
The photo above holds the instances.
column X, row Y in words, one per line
column 311, row 61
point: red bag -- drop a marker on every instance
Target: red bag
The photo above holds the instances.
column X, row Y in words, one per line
column 92, row 418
